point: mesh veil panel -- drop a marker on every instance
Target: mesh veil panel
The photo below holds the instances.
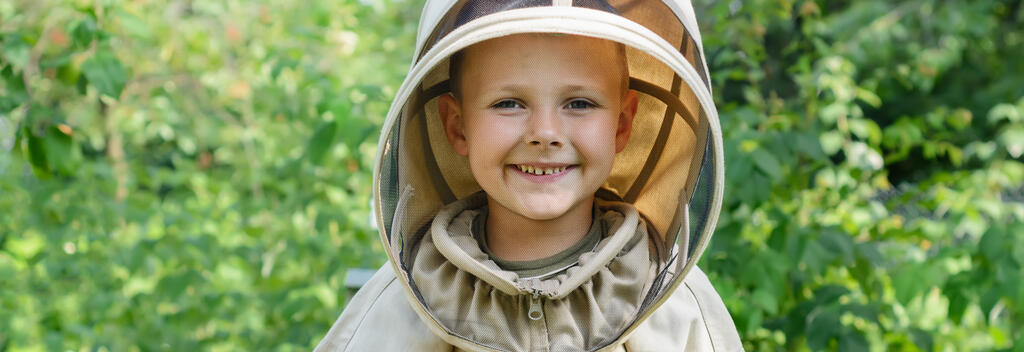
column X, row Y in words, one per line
column 389, row 180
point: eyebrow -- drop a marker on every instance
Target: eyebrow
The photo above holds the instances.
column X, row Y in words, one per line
column 518, row 88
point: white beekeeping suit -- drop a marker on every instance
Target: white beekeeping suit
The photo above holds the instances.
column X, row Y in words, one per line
column 439, row 294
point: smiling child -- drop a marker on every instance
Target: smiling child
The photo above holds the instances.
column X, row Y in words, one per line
column 547, row 181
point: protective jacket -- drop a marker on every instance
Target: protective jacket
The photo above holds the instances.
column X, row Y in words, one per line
column 638, row 290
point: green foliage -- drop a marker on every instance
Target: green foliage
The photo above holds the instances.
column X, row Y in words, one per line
column 188, row 174
column 196, row 174
column 884, row 214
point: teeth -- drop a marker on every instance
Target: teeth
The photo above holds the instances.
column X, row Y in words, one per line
column 540, row 171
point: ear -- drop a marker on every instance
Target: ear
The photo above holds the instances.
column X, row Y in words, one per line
column 625, row 124
column 451, row 118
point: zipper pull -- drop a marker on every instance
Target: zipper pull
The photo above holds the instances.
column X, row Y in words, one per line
column 535, row 312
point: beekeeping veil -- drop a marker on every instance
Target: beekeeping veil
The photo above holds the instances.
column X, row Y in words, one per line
column 671, row 170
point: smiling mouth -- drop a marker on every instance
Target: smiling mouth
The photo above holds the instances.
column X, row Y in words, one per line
column 539, row 170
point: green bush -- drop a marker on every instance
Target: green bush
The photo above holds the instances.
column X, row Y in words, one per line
column 873, row 173
column 188, row 174
column 196, row 174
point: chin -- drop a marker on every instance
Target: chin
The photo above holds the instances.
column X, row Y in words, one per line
column 543, row 212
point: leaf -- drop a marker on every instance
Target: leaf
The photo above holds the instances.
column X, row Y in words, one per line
column 831, row 142
column 105, row 73
column 869, row 97
column 839, row 243
column 354, row 134
column 321, row 142
column 810, row 146
column 829, row 294
column 959, row 119
column 134, row 25
column 957, row 305
column 904, row 134
column 821, row 328
column 1018, row 242
column 755, row 320
column 766, row 301
column 15, row 50
column 914, row 279
column 869, row 252
column 863, row 156
column 1013, row 139
column 84, row 32
column 863, row 311
column 853, row 341
column 36, row 152
column 815, row 257
column 767, row 163
column 59, row 151
column 1004, row 111
column 27, row 245
column 280, row 65
column 992, row 244
column 62, row 59
column 14, row 86
column 866, row 130
column 988, row 301
column 922, row 339
column 175, row 284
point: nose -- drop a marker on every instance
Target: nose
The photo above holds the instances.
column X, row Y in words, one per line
column 545, row 129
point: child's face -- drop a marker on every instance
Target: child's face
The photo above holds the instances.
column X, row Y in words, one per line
column 553, row 104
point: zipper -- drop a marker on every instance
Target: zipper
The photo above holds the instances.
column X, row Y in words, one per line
column 535, row 312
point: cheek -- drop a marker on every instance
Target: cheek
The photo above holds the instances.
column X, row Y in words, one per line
column 488, row 142
column 491, row 132
column 599, row 136
column 596, row 143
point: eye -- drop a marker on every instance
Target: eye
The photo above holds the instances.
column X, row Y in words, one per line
column 507, row 104
column 580, row 104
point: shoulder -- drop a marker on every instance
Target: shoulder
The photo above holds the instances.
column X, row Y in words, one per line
column 379, row 317
column 716, row 318
column 694, row 318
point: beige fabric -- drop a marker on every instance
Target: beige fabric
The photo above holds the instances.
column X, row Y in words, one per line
column 381, row 303
column 692, row 319
column 584, row 307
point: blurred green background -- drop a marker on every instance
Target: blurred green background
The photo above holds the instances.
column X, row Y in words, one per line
column 195, row 175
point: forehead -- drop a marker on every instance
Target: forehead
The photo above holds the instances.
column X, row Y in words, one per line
column 542, row 53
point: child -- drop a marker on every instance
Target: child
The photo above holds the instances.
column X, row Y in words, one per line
column 536, row 191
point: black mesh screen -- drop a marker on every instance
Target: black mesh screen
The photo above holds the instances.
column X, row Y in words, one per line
column 700, row 201
column 389, row 178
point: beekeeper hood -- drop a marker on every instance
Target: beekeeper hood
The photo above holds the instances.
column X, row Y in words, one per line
column 671, row 170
